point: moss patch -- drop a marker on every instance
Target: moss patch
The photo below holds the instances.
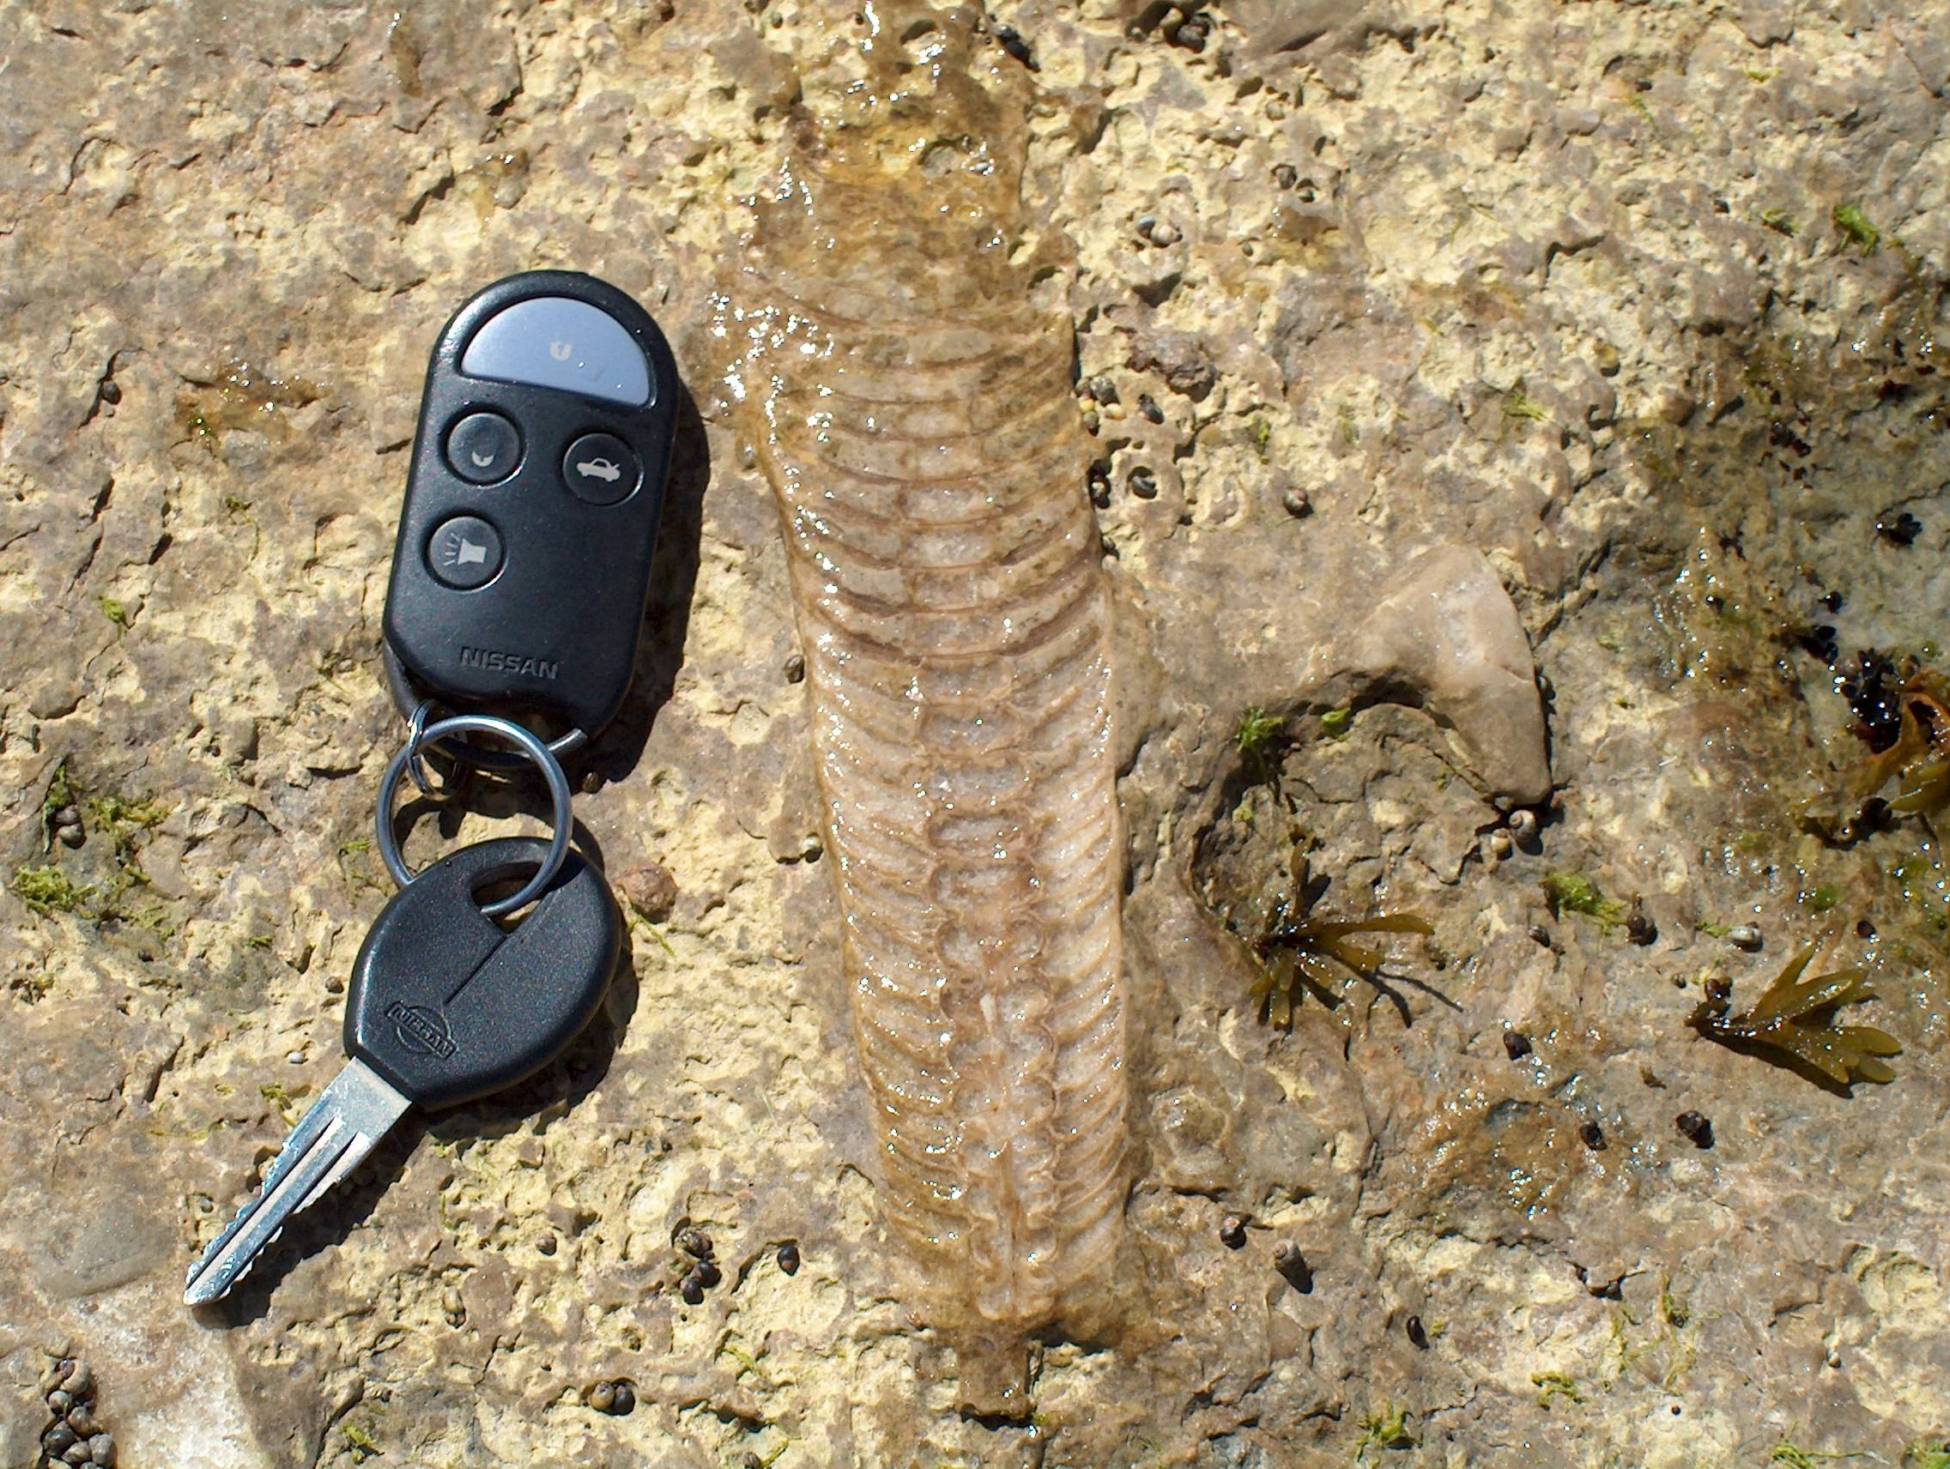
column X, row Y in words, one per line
column 1854, row 224
column 1573, row 892
column 49, row 890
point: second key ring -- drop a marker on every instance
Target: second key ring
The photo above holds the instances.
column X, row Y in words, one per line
column 530, row 745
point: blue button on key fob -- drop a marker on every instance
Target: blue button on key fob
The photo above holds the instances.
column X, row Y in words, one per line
column 523, row 558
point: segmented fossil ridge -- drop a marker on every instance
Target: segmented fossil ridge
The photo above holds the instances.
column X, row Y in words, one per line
column 913, row 414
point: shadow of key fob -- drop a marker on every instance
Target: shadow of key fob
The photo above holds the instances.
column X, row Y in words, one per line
column 523, row 559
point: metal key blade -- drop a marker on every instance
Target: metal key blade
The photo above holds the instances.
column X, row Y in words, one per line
column 353, row 1114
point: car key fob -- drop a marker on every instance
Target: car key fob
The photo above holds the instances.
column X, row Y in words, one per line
column 522, row 563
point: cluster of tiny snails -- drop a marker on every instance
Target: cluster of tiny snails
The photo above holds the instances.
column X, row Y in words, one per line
column 1288, row 1258
column 704, row 1272
column 75, row 1436
column 616, row 1398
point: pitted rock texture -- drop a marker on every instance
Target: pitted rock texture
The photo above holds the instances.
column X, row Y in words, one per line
column 1561, row 286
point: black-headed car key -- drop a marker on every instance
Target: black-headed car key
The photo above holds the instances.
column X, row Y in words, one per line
column 523, row 559
column 444, row 1007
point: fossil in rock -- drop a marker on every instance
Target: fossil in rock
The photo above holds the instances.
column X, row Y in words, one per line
column 912, row 411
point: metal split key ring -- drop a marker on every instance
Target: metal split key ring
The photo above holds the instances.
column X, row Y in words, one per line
column 415, row 705
column 530, row 746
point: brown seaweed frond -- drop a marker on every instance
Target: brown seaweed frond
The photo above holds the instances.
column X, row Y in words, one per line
column 1316, row 955
column 1919, row 761
column 1794, row 1024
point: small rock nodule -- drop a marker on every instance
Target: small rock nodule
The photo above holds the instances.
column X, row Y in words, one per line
column 650, row 889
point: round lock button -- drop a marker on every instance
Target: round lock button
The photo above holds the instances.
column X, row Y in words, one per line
column 464, row 553
column 601, row 469
column 483, row 448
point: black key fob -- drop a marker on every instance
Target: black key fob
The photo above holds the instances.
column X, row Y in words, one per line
column 523, row 559
column 446, row 1007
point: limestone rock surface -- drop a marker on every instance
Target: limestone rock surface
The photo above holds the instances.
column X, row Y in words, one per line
column 1624, row 324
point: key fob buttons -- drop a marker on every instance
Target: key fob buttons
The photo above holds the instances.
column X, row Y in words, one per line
column 465, row 553
column 559, row 342
column 601, row 469
column 521, row 568
column 483, row 448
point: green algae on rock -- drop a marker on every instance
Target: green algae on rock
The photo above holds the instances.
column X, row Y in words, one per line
column 1256, row 733
column 1573, row 892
